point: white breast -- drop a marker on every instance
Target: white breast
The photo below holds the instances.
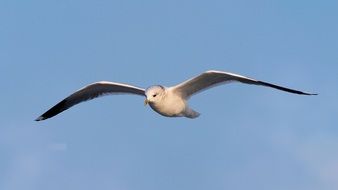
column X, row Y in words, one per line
column 171, row 105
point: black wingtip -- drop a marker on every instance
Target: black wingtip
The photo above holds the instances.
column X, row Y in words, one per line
column 40, row 118
column 285, row 89
column 309, row 94
column 58, row 108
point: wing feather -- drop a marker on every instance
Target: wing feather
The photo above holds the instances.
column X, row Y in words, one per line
column 210, row 79
column 89, row 92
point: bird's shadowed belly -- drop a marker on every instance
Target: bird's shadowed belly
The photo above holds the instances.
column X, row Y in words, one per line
column 170, row 107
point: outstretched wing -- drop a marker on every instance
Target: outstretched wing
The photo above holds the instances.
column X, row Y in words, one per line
column 90, row 92
column 212, row 78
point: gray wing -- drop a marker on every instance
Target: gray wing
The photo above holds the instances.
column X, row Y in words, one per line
column 90, row 92
column 212, row 78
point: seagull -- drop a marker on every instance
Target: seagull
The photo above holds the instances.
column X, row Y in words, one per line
column 167, row 101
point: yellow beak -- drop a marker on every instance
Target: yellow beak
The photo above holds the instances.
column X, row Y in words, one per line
column 146, row 102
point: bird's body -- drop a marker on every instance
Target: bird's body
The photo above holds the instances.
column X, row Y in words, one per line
column 170, row 104
column 170, row 107
column 167, row 101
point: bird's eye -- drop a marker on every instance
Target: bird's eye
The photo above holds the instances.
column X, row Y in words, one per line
column 154, row 95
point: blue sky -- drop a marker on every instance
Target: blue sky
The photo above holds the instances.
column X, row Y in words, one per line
column 247, row 137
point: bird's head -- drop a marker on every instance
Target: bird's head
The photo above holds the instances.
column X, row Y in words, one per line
column 154, row 94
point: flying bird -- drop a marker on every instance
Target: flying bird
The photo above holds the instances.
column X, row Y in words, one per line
column 167, row 101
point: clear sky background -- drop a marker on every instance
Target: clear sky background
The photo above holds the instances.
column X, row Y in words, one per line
column 247, row 137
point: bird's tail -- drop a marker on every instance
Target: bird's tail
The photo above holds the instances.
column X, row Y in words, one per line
column 189, row 113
